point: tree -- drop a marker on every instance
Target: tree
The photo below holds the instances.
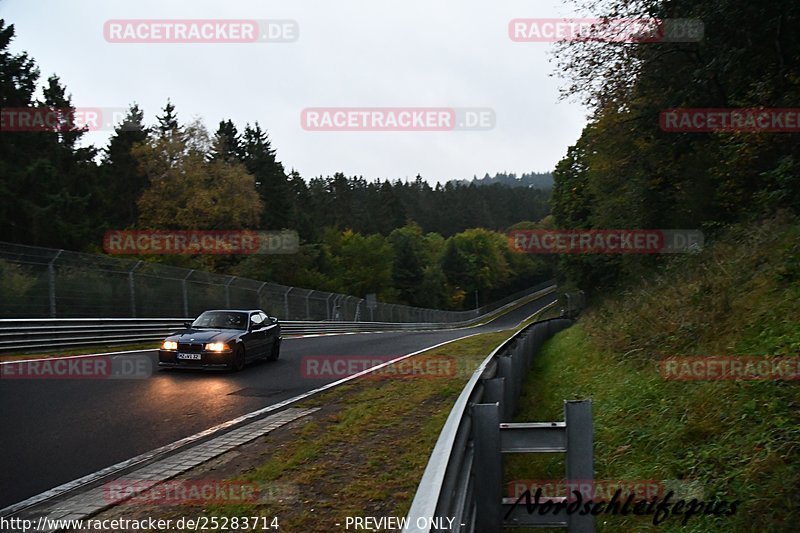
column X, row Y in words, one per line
column 625, row 171
column 187, row 191
column 49, row 178
column 271, row 183
column 360, row 264
column 228, row 143
column 474, row 260
column 168, row 122
column 123, row 182
column 408, row 269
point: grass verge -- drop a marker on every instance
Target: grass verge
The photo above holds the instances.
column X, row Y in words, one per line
column 365, row 454
column 728, row 440
column 88, row 350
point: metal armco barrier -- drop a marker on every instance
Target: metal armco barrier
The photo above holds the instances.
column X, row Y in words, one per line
column 31, row 334
column 463, row 478
column 20, row 334
column 572, row 437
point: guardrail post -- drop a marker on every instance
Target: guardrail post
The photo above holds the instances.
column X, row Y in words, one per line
column 488, row 468
column 494, row 390
column 580, row 456
column 537, row 340
column 518, row 369
column 51, row 276
column 505, row 370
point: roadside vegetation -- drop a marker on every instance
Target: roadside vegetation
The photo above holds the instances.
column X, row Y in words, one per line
column 731, row 440
column 87, row 350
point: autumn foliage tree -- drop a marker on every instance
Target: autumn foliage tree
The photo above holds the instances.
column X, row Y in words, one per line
column 189, row 191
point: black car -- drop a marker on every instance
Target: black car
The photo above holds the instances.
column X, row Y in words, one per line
column 223, row 339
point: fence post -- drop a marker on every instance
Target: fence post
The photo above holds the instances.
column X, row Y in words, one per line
column 186, row 294
column 488, row 468
column 228, row 292
column 258, row 296
column 51, row 274
column 308, row 307
column 286, row 302
column 132, row 288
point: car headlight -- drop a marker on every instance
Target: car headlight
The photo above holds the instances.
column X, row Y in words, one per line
column 217, row 347
column 169, row 345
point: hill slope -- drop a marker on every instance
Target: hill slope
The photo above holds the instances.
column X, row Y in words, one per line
column 734, row 440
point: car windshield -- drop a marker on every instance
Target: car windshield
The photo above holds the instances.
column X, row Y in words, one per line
column 221, row 320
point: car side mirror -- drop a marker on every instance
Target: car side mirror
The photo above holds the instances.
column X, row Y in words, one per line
column 187, row 325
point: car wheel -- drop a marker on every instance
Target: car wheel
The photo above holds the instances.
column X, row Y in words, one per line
column 276, row 351
column 237, row 363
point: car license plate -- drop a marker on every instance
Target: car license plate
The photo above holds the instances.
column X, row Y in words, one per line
column 193, row 356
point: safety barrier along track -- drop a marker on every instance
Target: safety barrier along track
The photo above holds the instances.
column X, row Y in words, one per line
column 23, row 334
column 450, row 488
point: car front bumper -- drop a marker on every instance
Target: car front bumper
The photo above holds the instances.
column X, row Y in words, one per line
column 209, row 360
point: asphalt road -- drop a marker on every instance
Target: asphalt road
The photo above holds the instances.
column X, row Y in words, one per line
column 55, row 431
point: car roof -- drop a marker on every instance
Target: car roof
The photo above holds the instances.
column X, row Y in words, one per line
column 234, row 311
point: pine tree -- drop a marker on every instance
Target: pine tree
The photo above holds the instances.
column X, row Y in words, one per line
column 271, row 182
column 123, row 181
column 168, row 122
column 227, row 143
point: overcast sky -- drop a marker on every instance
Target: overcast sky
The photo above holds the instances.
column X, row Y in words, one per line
column 350, row 53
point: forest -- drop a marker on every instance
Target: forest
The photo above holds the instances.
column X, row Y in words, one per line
column 626, row 171
column 440, row 246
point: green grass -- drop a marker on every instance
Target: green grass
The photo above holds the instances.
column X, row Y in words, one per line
column 732, row 440
column 85, row 350
column 366, row 455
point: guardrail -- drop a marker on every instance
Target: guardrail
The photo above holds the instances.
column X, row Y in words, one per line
column 463, row 478
column 20, row 334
